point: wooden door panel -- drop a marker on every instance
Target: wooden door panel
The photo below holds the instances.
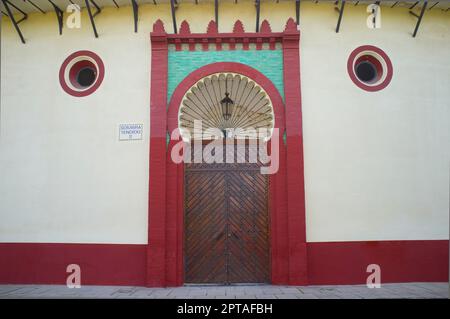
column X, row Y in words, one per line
column 226, row 223
column 248, row 227
column 205, row 231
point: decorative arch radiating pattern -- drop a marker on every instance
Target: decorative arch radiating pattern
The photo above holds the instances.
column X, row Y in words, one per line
column 252, row 114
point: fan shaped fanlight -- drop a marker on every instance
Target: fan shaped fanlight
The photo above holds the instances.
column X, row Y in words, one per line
column 251, row 114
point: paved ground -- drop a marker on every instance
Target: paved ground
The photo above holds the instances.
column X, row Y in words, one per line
column 409, row 290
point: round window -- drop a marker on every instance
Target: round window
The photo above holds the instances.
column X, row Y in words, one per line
column 370, row 68
column 86, row 77
column 366, row 71
column 81, row 73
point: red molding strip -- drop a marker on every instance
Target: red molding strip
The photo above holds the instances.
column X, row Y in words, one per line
column 328, row 262
column 248, row 35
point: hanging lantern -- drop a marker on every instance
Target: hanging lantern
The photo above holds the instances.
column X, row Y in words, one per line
column 227, row 106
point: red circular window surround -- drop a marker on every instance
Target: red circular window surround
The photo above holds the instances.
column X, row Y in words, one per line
column 71, row 67
column 376, row 57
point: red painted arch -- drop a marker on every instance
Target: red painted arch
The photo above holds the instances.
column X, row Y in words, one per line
column 175, row 180
column 233, row 67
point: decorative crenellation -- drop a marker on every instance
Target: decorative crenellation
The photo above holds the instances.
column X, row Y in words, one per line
column 238, row 27
column 212, row 40
column 158, row 27
column 265, row 27
column 184, row 28
column 212, row 28
column 291, row 26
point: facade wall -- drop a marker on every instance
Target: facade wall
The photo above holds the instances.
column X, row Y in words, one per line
column 65, row 175
column 376, row 164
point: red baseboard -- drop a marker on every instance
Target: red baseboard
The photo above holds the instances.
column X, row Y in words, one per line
column 101, row 264
column 328, row 263
column 335, row 263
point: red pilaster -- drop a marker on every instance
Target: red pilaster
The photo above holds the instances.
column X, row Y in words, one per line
column 174, row 219
column 156, row 257
column 278, row 219
column 294, row 157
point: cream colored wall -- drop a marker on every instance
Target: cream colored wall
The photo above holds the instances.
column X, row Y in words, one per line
column 65, row 177
column 376, row 164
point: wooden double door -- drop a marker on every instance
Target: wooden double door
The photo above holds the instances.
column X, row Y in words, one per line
column 226, row 223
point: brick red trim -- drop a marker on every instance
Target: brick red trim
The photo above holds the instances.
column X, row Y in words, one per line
column 328, row 262
column 389, row 69
column 345, row 263
column 156, row 252
column 279, row 239
column 98, row 81
column 294, row 139
column 46, row 263
column 166, row 199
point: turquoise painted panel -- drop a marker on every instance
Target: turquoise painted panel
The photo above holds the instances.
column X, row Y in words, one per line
column 268, row 62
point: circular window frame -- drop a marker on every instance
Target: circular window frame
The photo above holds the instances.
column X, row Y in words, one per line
column 382, row 58
column 66, row 73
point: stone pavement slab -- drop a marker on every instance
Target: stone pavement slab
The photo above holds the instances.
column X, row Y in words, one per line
column 387, row 291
